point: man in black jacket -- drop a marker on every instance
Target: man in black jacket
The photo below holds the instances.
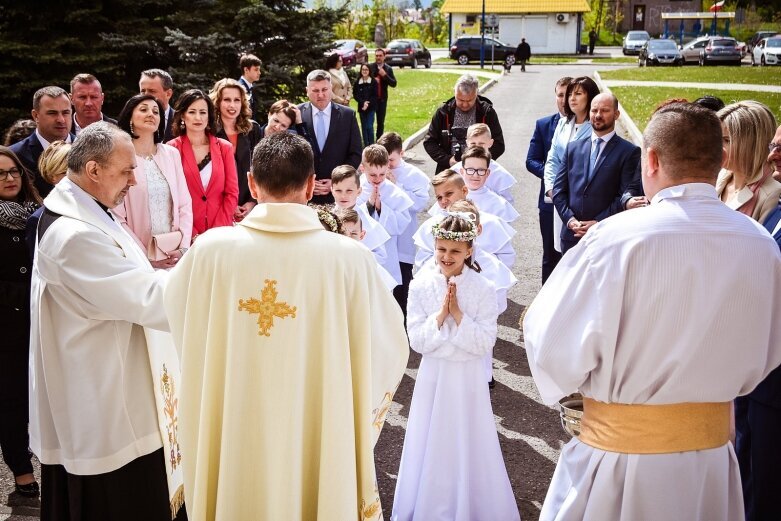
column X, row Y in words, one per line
column 383, row 75
column 446, row 137
column 523, row 53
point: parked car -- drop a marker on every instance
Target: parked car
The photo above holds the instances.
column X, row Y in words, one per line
column 467, row 48
column 407, row 52
column 719, row 49
column 767, row 52
column 634, row 40
column 353, row 52
column 659, row 52
column 759, row 35
column 691, row 51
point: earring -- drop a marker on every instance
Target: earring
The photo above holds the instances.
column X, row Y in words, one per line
column 132, row 130
column 181, row 123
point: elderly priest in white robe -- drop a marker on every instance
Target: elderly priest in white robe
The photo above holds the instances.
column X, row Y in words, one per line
column 97, row 318
column 660, row 317
column 291, row 349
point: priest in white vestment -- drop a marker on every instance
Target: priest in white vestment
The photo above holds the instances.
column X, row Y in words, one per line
column 94, row 305
column 291, row 349
column 660, row 317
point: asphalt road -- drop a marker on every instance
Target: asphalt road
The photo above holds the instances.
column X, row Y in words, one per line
column 529, row 431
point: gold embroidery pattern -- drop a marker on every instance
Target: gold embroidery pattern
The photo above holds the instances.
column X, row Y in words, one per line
column 172, row 422
column 267, row 308
column 374, row 510
column 382, row 411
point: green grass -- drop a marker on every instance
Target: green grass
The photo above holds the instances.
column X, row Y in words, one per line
column 640, row 102
column 695, row 74
column 412, row 103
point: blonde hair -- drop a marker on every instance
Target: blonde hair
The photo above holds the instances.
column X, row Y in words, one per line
column 54, row 161
column 751, row 126
column 478, row 129
column 447, row 175
column 244, row 119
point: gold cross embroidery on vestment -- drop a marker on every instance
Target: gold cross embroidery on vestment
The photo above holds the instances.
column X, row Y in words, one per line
column 267, row 307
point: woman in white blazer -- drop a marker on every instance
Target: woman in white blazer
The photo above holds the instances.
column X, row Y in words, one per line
column 576, row 125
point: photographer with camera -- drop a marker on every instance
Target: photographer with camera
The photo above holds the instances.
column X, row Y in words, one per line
column 446, row 136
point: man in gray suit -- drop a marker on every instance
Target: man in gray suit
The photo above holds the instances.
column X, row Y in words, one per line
column 332, row 130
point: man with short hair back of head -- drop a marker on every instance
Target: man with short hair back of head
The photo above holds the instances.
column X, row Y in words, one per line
column 313, row 335
column 53, row 117
column 87, row 98
column 641, row 320
column 97, row 329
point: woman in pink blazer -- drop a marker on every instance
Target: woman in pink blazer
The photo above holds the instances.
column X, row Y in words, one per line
column 209, row 166
column 160, row 201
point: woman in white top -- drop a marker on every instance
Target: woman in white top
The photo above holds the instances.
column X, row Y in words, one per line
column 159, row 203
column 576, row 125
column 340, row 83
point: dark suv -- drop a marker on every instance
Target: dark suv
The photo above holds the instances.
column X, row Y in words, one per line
column 407, row 52
column 467, row 48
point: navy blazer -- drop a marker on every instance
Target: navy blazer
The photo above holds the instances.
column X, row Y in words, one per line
column 342, row 146
column 538, row 153
column 29, row 150
column 601, row 195
column 768, row 391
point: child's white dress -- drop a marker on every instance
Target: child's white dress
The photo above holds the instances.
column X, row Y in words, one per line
column 452, row 467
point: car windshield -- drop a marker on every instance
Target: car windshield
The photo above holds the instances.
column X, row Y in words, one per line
column 665, row 45
column 637, row 36
column 398, row 46
column 345, row 45
column 724, row 43
column 775, row 42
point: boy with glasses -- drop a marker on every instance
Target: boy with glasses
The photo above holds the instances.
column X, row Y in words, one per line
column 501, row 181
column 476, row 171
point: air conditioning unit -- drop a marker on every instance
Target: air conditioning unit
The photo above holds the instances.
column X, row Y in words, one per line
column 562, row 18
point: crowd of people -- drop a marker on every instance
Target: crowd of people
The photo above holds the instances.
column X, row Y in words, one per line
column 182, row 278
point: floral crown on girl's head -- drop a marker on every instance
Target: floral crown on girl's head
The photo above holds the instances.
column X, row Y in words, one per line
column 470, row 235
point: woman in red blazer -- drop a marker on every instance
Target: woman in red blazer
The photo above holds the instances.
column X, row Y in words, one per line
column 207, row 161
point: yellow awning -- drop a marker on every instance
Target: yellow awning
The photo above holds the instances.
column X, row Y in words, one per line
column 515, row 6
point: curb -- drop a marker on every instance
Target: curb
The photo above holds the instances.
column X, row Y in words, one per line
column 625, row 119
column 418, row 136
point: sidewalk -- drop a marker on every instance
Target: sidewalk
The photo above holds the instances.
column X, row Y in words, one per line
column 683, row 85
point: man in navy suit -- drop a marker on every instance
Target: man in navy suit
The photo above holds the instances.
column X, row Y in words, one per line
column 535, row 163
column 332, row 130
column 758, row 415
column 158, row 83
column 596, row 174
column 53, row 116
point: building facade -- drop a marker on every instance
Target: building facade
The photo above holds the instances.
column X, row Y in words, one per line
column 550, row 27
column 646, row 15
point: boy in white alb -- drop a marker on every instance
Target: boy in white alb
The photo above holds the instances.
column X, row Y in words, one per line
column 345, row 187
column 474, row 169
column 386, row 202
column 352, row 227
column 495, row 238
column 416, row 185
column 500, row 181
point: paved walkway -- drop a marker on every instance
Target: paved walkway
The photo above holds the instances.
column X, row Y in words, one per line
column 684, row 85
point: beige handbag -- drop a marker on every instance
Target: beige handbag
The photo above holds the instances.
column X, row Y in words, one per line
column 162, row 244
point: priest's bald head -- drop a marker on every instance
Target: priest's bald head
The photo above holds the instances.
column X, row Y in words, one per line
column 283, row 170
column 681, row 144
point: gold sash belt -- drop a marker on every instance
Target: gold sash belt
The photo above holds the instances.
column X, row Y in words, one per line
column 654, row 429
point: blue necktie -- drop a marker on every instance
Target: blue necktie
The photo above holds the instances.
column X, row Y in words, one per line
column 594, row 156
column 320, row 130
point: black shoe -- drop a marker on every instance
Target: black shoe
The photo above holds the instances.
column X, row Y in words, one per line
column 28, row 490
column 491, row 385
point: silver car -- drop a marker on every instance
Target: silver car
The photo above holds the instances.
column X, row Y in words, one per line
column 634, row 40
column 692, row 50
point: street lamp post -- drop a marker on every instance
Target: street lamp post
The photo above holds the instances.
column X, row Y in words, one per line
column 482, row 38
